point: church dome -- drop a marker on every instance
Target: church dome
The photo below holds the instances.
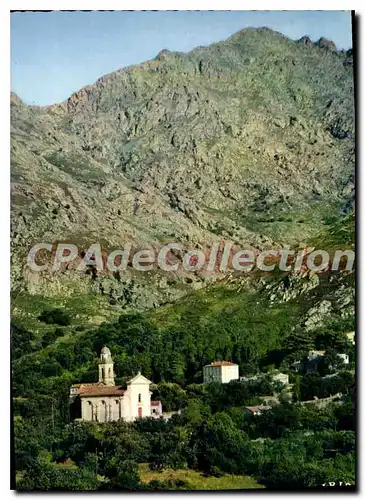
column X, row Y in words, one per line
column 105, row 355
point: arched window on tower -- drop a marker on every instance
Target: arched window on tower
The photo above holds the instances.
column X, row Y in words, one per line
column 110, row 372
column 102, row 373
column 139, row 398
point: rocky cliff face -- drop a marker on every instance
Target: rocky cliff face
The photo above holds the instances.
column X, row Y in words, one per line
column 249, row 140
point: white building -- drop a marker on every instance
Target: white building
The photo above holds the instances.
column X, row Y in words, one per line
column 220, row 371
column 104, row 401
column 281, row 377
column 315, row 355
column 351, row 337
column 156, row 409
column 345, row 358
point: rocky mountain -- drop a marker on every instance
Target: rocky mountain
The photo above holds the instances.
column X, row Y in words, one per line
column 249, row 140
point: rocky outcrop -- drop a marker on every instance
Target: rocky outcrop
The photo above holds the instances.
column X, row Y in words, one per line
column 291, row 287
column 323, row 43
column 305, row 40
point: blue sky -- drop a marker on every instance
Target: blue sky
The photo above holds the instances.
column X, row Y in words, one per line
column 54, row 54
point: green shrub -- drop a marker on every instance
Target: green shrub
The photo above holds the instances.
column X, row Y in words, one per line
column 55, row 316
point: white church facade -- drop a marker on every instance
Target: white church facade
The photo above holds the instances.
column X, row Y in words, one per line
column 104, row 401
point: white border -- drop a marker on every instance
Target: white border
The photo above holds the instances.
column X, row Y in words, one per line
column 180, row 5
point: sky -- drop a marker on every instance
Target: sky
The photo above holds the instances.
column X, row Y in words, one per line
column 54, row 54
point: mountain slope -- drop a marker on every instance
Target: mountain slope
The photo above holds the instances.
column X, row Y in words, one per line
column 249, row 140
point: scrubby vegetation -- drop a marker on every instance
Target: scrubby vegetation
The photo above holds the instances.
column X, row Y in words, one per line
column 294, row 445
column 55, row 316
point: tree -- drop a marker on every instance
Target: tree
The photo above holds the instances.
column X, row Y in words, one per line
column 51, row 336
column 57, row 316
column 346, row 417
column 42, row 475
column 279, row 421
column 22, row 340
column 331, row 363
column 80, row 439
column 122, row 474
column 195, row 413
column 173, row 397
column 219, row 445
column 169, row 449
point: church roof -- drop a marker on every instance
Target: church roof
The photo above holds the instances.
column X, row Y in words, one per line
column 140, row 378
column 85, row 384
column 100, row 390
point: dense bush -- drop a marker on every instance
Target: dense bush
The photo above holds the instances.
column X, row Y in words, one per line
column 55, row 316
column 22, row 340
column 41, row 475
column 313, row 385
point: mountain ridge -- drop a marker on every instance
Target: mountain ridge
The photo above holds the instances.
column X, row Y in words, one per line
column 249, row 140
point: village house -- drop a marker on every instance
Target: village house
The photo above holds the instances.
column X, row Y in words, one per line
column 103, row 401
column 351, row 337
column 270, row 400
column 156, row 408
column 283, row 378
column 315, row 355
column 311, row 362
column 257, row 410
column 220, row 371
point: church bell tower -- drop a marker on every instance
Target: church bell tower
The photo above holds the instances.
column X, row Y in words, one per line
column 106, row 367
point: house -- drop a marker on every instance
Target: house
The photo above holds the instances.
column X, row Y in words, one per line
column 220, row 371
column 345, row 358
column 313, row 360
column 269, row 400
column 257, row 410
column 315, row 355
column 310, row 364
column 283, row 378
column 351, row 337
column 103, row 401
column 156, row 409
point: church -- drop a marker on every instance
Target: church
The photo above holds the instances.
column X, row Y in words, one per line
column 104, row 401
